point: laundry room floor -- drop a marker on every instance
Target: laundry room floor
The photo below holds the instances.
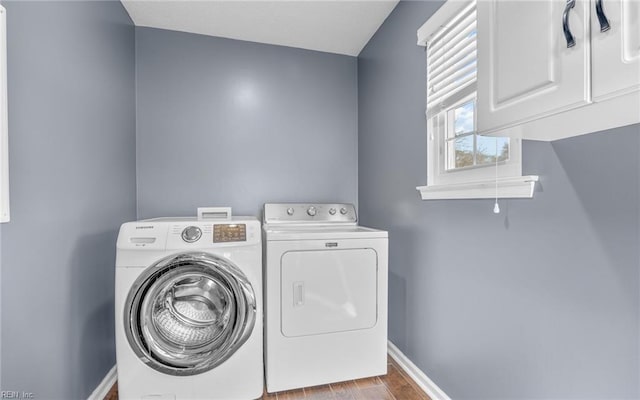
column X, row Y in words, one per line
column 396, row 385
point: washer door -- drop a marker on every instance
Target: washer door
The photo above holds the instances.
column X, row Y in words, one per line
column 188, row 313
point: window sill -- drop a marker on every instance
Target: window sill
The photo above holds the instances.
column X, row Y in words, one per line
column 519, row 187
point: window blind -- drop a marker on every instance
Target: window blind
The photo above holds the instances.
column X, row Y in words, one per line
column 452, row 61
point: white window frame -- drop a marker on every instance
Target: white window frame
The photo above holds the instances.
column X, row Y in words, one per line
column 4, row 136
column 486, row 181
column 437, row 172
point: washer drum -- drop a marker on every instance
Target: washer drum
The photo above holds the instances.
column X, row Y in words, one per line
column 188, row 313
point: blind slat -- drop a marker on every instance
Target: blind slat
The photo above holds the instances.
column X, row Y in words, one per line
column 435, row 48
column 452, row 48
column 467, row 54
column 464, row 91
column 468, row 71
column 452, row 61
column 460, row 20
column 446, row 92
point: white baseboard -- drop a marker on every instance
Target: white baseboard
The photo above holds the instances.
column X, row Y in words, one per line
column 416, row 374
column 107, row 383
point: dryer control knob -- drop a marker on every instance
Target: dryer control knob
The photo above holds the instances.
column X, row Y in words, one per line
column 343, row 211
column 191, row 234
column 290, row 211
column 332, row 211
column 311, row 211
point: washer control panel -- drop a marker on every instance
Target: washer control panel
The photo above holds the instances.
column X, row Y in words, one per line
column 204, row 234
column 223, row 233
column 309, row 212
column 179, row 234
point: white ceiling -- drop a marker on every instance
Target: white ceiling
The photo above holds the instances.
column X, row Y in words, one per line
column 334, row 26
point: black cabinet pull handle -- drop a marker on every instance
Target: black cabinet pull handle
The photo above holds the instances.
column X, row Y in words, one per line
column 565, row 24
column 602, row 18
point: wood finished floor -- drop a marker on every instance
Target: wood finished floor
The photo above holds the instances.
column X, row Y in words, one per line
column 396, row 385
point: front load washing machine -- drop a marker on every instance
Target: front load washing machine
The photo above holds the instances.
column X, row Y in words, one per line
column 189, row 309
column 325, row 296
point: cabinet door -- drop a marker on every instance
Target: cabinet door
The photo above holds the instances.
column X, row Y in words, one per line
column 525, row 69
column 616, row 52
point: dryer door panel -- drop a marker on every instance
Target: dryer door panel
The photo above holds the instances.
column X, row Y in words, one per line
column 327, row 291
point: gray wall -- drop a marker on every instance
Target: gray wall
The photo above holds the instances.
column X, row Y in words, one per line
column 225, row 122
column 72, row 164
column 547, row 306
column 540, row 301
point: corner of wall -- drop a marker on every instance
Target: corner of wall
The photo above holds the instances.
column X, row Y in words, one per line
column 135, row 102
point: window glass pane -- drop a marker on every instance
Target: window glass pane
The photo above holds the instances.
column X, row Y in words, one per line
column 490, row 147
column 463, row 119
column 460, row 152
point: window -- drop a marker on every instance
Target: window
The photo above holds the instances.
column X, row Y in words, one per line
column 464, row 148
column 457, row 154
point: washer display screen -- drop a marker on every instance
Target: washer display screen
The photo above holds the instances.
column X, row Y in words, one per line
column 229, row 233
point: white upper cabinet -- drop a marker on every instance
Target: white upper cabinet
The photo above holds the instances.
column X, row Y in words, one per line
column 546, row 71
column 525, row 68
column 615, row 44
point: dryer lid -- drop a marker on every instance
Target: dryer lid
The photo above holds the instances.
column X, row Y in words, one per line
column 293, row 232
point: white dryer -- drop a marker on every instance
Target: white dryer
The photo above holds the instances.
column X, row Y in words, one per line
column 325, row 296
column 189, row 309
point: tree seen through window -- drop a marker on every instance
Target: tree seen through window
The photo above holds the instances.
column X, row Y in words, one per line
column 467, row 149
